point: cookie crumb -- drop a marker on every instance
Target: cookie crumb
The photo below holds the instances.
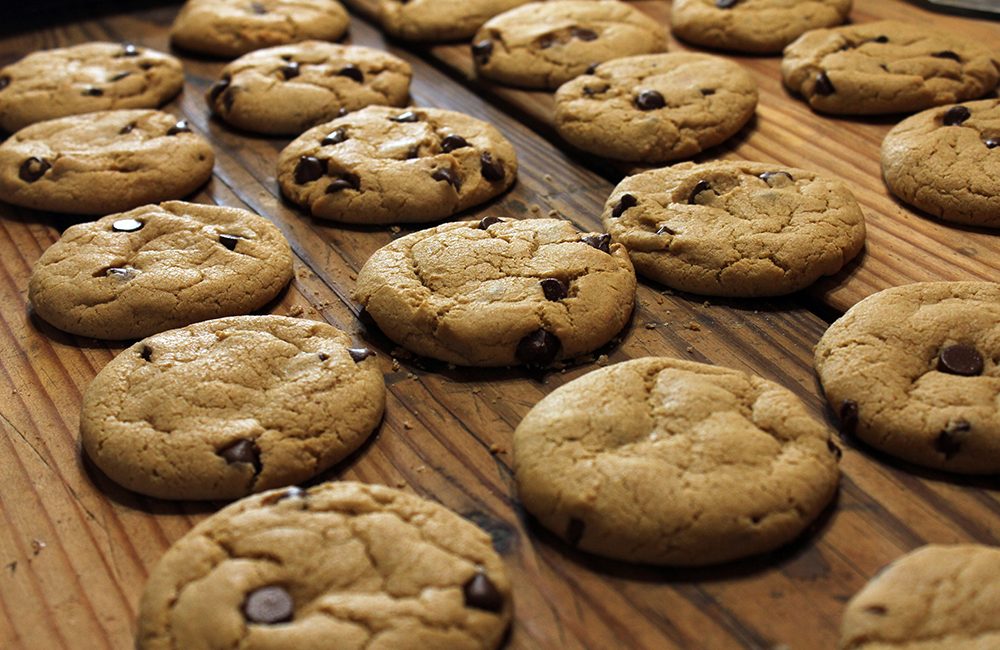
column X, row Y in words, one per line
column 394, row 229
column 706, row 304
column 395, row 365
column 421, row 468
column 497, row 449
column 296, row 311
column 548, row 178
column 554, row 214
column 407, row 425
column 412, row 376
column 36, row 546
column 535, row 209
column 693, row 326
column 650, row 326
column 602, row 360
column 690, row 349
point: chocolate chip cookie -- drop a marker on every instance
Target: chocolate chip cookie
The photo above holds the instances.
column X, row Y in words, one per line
column 938, row 596
column 740, row 229
column 545, row 44
column 436, row 20
column 388, row 165
column 130, row 275
column 497, row 292
column 655, row 107
column 103, row 162
column 231, row 406
column 230, row 28
column 290, row 88
column 913, row 371
column 887, row 67
column 665, row 461
column 755, row 26
column 85, row 78
column 341, row 565
column 946, row 161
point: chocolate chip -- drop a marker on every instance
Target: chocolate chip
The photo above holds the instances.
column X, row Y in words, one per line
column 881, row 39
column 482, row 51
column 773, row 178
column 4, row 82
column 583, row 34
column 323, row 356
column 269, row 605
column 574, row 531
column 146, row 353
column 487, row 222
column 956, row 115
column 960, row 359
column 649, row 100
column 242, row 451
column 408, row 116
column 352, row 71
column 707, row 91
column 346, row 181
column 665, row 230
column 309, row 169
column 360, row 354
column 334, row 137
column 592, row 68
column 121, row 75
column 447, row 175
column 258, row 8
column 601, row 242
column 834, row 449
column 92, row 91
column 848, row 417
column 229, row 241
column 948, row 442
column 218, row 87
column 146, row 65
column 33, row 168
column 701, row 186
column 451, row 142
column 947, row 54
column 823, row 85
column 481, row 593
column 129, row 49
column 491, row 169
column 624, row 203
column 413, row 152
column 289, row 70
column 877, row 610
column 180, row 127
column 992, row 143
column 546, row 41
column 123, row 274
column 553, row 288
column 540, row 348
column 126, row 225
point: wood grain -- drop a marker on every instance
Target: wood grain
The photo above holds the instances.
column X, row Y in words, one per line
column 75, row 549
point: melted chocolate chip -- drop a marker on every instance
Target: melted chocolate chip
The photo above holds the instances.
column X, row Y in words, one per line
column 447, row 175
column 540, row 348
column 649, row 100
column 947, row 54
column 823, row 85
column 848, row 417
column 955, row 115
column 881, row 39
column 323, row 356
column 546, row 41
column 346, row 181
column 218, row 87
column 242, row 451
column 701, row 186
column 408, row 116
column 309, row 169
column 481, row 593
column 269, row 605
column 482, row 50
column 592, row 68
column 574, row 531
column 487, row 222
column 665, row 230
column 992, row 143
column 126, row 225
column 146, row 353
column 624, row 203
column 776, row 178
column 92, row 91
column 360, row 354
column 121, row 75
column 258, row 8
column 229, row 241
column 706, row 92
column 334, row 137
column 33, row 168
column 4, row 82
column 123, row 274
column 180, row 127
column 451, row 142
column 960, row 359
column 352, row 71
column 129, row 50
column 289, row 70
column 491, row 169
column 554, row 289
column 583, row 34
column 834, row 449
column 601, row 242
column 947, row 444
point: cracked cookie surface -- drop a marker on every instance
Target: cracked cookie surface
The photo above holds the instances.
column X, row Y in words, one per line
column 83, row 79
column 545, row 44
column 755, row 26
column 938, row 597
column 673, row 462
column 887, row 67
column 290, row 88
column 231, row 406
column 233, row 27
column 341, row 565
column 384, row 165
column 497, row 293
column 946, row 161
column 156, row 267
column 915, row 372
column 656, row 107
column 438, row 20
column 103, row 162
column 739, row 229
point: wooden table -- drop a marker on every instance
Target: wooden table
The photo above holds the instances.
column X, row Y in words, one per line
column 75, row 549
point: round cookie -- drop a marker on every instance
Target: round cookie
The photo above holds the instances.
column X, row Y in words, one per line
column 103, row 162
column 738, row 229
column 887, row 67
column 938, row 596
column 83, row 79
column 229, row 28
column 437, row 20
column 913, row 371
column 220, row 409
column 545, row 44
column 130, row 275
column 290, row 88
column 387, row 165
column 673, row 462
column 754, row 26
column 341, row 565
column 656, row 107
column 497, row 292
column 946, row 161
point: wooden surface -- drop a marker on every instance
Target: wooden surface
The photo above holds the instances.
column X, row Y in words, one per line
column 75, row 549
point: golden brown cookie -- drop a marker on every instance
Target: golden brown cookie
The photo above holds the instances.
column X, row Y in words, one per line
column 435, row 20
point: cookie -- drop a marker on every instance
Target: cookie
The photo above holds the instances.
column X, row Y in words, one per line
column 913, row 371
column 936, row 597
column 673, row 462
column 498, row 293
column 655, row 107
column 229, row 28
column 946, row 161
column 290, row 88
column 738, row 229
column 103, row 162
column 83, row 79
column 545, row 44
column 754, row 26
column 341, row 565
column 385, row 165
column 436, row 20
column 130, row 275
column 231, row 406
column 887, row 67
